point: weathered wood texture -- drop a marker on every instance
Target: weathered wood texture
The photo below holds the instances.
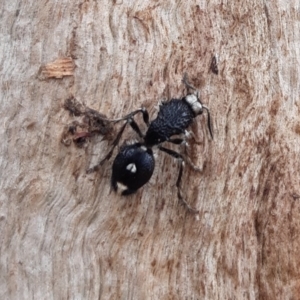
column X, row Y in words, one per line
column 65, row 235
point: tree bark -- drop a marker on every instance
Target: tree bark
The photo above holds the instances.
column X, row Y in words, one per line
column 66, row 235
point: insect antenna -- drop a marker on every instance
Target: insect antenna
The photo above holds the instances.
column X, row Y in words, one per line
column 189, row 86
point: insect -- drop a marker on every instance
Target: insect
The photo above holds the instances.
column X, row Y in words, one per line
column 134, row 164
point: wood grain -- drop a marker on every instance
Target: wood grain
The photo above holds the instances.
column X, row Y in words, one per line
column 66, row 235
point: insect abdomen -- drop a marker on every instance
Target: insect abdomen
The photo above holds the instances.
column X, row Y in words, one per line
column 133, row 167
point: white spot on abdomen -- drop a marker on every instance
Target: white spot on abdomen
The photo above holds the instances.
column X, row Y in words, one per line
column 131, row 167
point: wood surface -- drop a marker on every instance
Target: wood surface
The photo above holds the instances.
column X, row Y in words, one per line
column 66, row 235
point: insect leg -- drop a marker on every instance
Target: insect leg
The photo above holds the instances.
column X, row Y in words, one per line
column 176, row 141
column 109, row 154
column 178, row 182
column 186, row 158
column 129, row 120
column 132, row 114
column 135, row 127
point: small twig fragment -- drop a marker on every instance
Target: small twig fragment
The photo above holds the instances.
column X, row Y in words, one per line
column 59, row 68
column 93, row 123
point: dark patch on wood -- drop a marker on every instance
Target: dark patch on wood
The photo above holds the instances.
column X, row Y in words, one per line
column 93, row 123
column 214, row 65
column 297, row 129
column 295, row 196
column 153, row 263
column 274, row 108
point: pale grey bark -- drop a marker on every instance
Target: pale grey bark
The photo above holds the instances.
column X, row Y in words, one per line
column 65, row 235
